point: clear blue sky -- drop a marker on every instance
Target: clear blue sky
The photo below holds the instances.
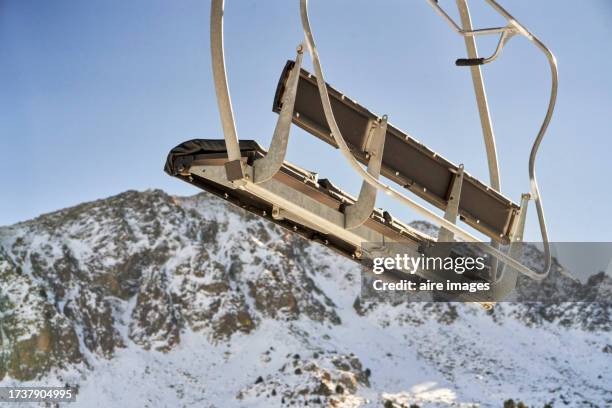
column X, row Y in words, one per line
column 94, row 94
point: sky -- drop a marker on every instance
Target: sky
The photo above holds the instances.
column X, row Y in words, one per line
column 93, row 95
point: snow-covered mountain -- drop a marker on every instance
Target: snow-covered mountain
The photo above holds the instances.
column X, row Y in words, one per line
column 144, row 299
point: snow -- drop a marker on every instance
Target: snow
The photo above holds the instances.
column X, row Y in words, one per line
column 414, row 356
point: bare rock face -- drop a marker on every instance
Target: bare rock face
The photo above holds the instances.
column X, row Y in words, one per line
column 34, row 336
column 191, row 288
column 151, row 263
column 322, row 379
column 93, row 314
column 155, row 318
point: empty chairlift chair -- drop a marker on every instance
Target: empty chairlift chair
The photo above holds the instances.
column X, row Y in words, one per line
column 262, row 181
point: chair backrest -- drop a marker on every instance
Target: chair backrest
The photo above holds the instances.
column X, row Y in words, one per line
column 405, row 160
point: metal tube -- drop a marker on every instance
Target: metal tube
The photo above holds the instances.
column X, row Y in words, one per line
column 483, row 107
column 466, row 32
column 266, row 167
column 220, row 78
column 481, row 98
column 552, row 61
column 337, row 135
column 516, row 27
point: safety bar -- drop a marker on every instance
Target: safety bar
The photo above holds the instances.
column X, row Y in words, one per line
column 337, row 135
column 231, row 137
column 513, row 28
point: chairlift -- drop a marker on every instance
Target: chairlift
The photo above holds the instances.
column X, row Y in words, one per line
column 264, row 183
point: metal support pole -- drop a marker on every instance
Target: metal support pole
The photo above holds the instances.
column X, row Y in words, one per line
column 481, row 98
column 356, row 214
column 266, row 167
column 221, row 89
column 452, row 208
column 483, row 107
column 516, row 235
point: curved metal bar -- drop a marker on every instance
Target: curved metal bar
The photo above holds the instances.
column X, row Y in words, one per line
column 266, row 167
column 220, row 78
column 503, row 39
column 517, row 28
column 359, row 212
column 337, row 135
column 466, row 32
column 535, row 190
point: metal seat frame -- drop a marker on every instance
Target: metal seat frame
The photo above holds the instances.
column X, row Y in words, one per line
column 238, row 174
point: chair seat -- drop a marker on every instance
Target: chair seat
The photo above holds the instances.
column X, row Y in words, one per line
column 405, row 160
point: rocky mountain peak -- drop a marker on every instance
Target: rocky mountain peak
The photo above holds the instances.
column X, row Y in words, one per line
column 183, row 287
